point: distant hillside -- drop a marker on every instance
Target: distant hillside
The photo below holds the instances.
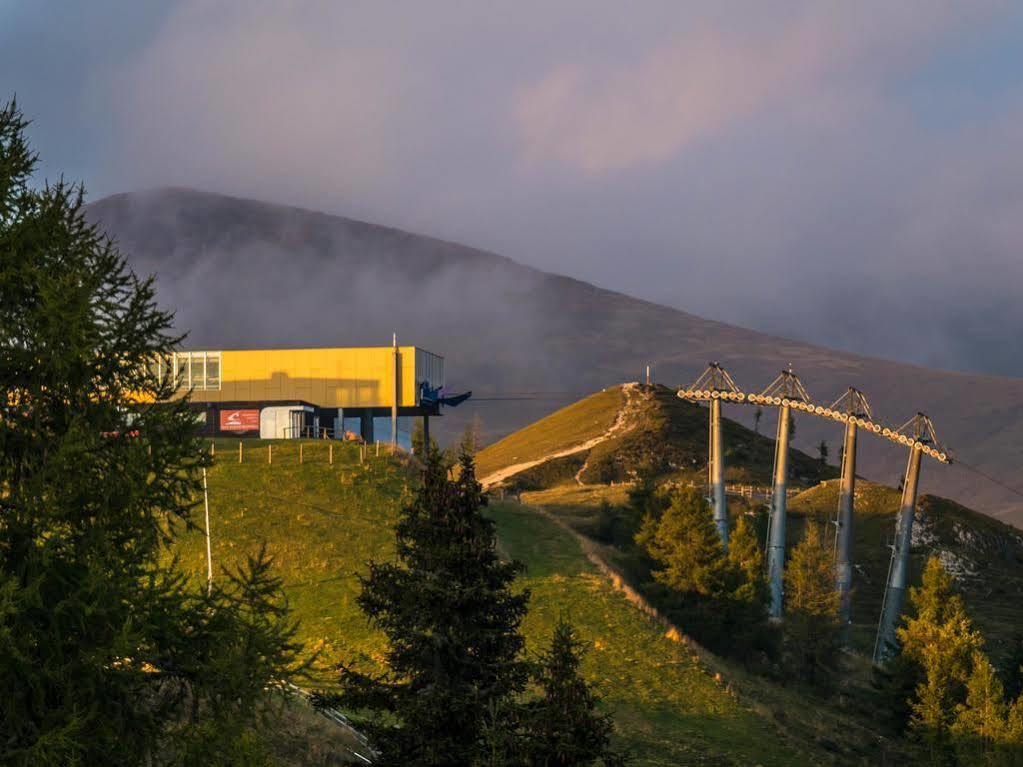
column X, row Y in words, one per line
column 242, row 273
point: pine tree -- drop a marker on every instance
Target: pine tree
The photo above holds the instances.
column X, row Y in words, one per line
column 941, row 640
column 452, row 624
column 684, row 541
column 107, row 654
column 812, row 625
column 565, row 728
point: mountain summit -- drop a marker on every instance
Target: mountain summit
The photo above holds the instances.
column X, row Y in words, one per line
column 242, row 273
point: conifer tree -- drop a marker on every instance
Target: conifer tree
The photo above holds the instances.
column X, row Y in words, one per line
column 746, row 556
column 1013, row 674
column 721, row 598
column 812, row 625
column 941, row 640
column 644, row 500
column 565, row 728
column 107, row 654
column 452, row 624
column 980, row 727
column 684, row 541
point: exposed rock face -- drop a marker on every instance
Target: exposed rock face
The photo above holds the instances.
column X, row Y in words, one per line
column 924, row 535
column 959, row 567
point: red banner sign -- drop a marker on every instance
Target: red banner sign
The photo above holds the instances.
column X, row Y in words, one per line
column 239, row 420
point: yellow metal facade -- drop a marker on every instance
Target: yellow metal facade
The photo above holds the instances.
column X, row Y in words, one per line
column 345, row 378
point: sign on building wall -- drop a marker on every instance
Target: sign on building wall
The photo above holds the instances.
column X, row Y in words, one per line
column 239, row 420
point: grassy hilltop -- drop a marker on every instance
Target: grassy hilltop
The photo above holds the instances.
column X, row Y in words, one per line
column 324, row 523
column 674, row 703
column 645, row 429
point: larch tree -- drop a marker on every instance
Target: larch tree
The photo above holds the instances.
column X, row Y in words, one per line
column 811, row 624
column 980, row 728
column 747, row 557
column 941, row 640
column 108, row 655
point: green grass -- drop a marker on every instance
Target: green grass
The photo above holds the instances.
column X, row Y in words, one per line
column 668, row 708
column 324, row 523
column 993, row 597
column 321, row 523
column 572, row 425
column 664, row 434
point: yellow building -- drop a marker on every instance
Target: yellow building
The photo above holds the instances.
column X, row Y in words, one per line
column 302, row 392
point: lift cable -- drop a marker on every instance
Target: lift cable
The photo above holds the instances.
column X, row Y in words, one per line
column 989, row 478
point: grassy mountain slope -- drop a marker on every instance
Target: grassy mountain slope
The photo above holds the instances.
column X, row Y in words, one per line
column 986, row 555
column 242, row 273
column 324, row 523
column 656, row 431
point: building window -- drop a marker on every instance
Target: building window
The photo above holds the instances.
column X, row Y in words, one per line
column 189, row 370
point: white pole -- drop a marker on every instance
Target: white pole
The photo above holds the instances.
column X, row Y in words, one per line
column 209, row 553
column 394, row 404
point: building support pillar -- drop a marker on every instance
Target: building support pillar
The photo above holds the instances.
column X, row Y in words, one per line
column 776, row 525
column 366, row 426
column 717, row 473
column 895, row 591
column 844, row 533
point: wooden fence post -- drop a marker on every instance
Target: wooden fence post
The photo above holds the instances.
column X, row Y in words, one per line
column 301, row 452
column 213, row 448
column 239, row 451
column 270, row 453
column 331, row 451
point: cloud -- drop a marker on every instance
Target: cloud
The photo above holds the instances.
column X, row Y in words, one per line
column 675, row 95
column 257, row 96
column 614, row 115
column 840, row 172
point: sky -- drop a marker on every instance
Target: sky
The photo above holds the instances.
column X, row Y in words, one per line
column 849, row 174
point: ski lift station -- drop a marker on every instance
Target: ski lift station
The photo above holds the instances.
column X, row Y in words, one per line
column 372, row 392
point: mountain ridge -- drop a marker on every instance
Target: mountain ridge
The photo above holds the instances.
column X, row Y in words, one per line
column 241, row 272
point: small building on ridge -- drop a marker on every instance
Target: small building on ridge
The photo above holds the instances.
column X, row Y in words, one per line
column 290, row 393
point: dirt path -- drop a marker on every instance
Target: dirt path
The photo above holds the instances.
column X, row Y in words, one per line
column 621, row 423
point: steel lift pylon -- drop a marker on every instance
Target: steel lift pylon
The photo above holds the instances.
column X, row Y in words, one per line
column 855, row 406
column 715, row 385
column 785, row 391
column 918, row 434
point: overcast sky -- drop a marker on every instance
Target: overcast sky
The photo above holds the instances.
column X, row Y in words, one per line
column 849, row 173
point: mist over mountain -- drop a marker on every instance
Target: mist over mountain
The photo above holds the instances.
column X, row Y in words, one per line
column 241, row 273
